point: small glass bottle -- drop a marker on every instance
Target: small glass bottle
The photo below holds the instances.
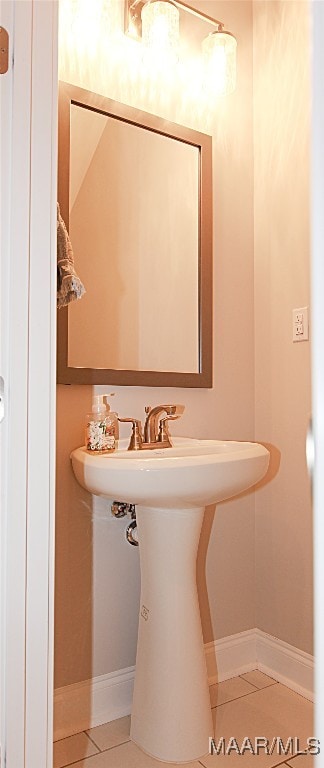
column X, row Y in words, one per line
column 99, row 437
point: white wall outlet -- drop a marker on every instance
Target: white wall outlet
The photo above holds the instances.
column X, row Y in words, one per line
column 300, row 324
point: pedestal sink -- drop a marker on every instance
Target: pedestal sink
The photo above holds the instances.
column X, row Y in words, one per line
column 171, row 715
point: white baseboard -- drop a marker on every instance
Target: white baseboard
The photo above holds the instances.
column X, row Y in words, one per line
column 231, row 656
column 287, row 664
column 92, row 702
column 102, row 699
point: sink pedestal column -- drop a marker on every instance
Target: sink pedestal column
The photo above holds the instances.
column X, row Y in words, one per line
column 171, row 715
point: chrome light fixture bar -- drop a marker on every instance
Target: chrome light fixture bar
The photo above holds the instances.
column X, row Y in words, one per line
column 156, row 22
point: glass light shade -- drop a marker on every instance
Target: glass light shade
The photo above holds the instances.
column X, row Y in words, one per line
column 219, row 51
column 160, row 26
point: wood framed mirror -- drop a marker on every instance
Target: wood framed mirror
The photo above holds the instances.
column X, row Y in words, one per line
column 135, row 192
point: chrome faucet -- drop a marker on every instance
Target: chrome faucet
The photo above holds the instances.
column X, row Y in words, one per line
column 156, row 431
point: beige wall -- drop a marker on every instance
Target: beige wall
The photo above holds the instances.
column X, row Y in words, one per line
column 91, row 572
column 282, row 368
column 97, row 573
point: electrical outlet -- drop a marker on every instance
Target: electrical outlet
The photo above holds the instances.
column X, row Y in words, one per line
column 300, row 324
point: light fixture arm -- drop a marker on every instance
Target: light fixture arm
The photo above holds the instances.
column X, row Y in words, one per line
column 199, row 14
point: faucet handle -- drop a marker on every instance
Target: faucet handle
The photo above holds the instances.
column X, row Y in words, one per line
column 164, row 434
column 136, row 439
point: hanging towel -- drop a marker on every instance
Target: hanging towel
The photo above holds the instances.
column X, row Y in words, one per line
column 69, row 286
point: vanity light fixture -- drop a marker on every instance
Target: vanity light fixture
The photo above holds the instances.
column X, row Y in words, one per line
column 156, row 23
column 160, row 26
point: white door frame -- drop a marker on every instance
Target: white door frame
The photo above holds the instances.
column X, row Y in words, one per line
column 317, row 269
column 28, row 277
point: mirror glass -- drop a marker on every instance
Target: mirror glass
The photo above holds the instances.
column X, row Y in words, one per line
column 131, row 194
column 134, row 199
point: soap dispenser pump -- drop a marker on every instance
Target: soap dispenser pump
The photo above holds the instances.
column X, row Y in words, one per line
column 100, row 432
column 112, row 425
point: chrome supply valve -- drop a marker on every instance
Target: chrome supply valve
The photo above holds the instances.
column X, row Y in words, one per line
column 121, row 509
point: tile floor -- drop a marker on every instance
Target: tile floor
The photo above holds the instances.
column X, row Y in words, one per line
column 250, row 705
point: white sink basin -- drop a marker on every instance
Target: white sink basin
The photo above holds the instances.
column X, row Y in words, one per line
column 171, row 716
column 193, row 473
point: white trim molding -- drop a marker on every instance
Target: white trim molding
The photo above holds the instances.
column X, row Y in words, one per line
column 231, row 656
column 317, row 290
column 28, row 93
column 287, row 664
column 93, row 702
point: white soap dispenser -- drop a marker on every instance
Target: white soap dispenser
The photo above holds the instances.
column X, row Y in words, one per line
column 95, row 432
